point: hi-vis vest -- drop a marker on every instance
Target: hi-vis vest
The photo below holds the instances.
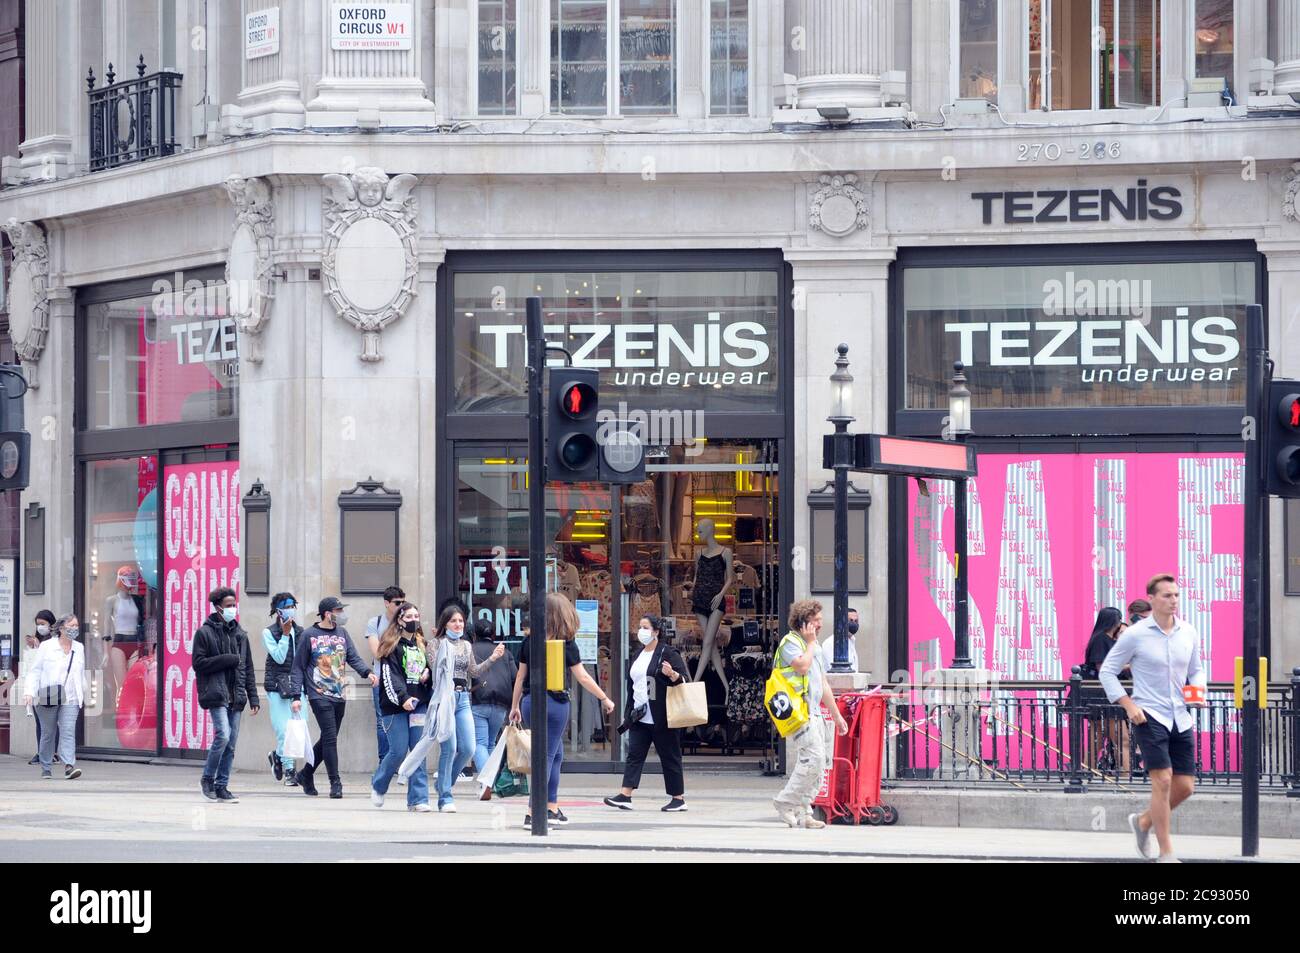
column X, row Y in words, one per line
column 799, row 682
column 785, row 696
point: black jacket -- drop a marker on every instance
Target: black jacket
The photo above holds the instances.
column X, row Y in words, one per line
column 659, row 682
column 496, row 686
column 223, row 663
column 394, row 689
column 279, row 674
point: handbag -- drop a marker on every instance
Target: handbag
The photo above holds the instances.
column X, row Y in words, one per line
column 519, row 749
column 510, row 784
column 52, row 696
column 687, row 704
column 785, row 704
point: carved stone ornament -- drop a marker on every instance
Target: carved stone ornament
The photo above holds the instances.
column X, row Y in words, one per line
column 1291, row 195
column 249, row 283
column 29, row 301
column 370, row 261
column 838, row 207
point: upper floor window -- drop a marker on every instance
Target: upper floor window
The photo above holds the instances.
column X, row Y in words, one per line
column 977, row 49
column 1212, row 39
column 633, row 41
column 498, row 56
column 1093, row 54
column 729, row 57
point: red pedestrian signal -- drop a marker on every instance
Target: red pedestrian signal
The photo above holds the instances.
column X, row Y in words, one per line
column 1282, row 452
column 572, row 451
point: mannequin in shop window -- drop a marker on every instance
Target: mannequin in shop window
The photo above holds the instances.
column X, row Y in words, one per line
column 124, row 619
column 713, row 577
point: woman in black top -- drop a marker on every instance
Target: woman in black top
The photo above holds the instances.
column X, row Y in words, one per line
column 1110, row 623
column 404, row 691
column 562, row 625
column 654, row 668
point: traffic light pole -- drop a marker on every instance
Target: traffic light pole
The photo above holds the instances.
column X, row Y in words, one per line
column 537, row 564
column 1252, row 569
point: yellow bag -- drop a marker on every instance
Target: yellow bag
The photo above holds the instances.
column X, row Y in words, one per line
column 785, row 698
column 554, row 665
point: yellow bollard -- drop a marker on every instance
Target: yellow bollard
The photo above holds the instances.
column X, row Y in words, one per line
column 1263, row 682
column 555, row 665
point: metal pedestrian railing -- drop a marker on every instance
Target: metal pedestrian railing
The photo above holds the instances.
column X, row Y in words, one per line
column 134, row 120
column 1041, row 735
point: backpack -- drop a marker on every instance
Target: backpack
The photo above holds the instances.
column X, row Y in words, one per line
column 784, row 699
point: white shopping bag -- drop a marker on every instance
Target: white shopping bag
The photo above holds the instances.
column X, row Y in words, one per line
column 488, row 776
column 297, row 742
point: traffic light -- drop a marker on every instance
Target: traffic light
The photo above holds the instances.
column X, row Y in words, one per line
column 1282, row 452
column 15, row 442
column 622, row 454
column 572, row 451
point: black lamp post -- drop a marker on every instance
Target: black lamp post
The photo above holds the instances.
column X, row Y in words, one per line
column 841, row 402
column 959, row 420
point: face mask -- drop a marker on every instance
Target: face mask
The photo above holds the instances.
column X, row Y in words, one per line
column 644, row 636
column 455, row 633
column 340, row 618
column 229, row 613
column 72, row 633
column 42, row 630
column 412, row 625
column 853, row 628
column 288, row 614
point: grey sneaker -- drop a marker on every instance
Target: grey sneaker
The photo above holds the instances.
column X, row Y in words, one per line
column 1143, row 837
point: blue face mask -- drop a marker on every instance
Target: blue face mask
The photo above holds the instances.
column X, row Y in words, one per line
column 454, row 634
column 288, row 614
column 229, row 613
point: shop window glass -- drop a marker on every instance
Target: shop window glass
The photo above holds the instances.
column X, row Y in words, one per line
column 644, row 57
column 729, row 57
column 162, row 358
column 497, row 59
column 1130, row 53
column 1067, row 40
column 977, row 71
column 658, row 337
column 119, row 625
column 1078, row 335
column 1213, row 38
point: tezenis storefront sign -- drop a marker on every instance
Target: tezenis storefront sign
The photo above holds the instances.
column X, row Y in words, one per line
column 1063, row 206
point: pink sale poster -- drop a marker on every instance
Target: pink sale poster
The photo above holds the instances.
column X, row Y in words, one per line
column 1056, row 537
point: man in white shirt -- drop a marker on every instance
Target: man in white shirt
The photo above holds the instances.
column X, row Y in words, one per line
column 828, row 646
column 1164, row 653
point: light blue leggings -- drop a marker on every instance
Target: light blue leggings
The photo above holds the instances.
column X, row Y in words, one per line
column 281, row 712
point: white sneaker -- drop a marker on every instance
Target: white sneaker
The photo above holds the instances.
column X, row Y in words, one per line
column 376, row 798
column 448, row 808
column 1143, row 837
column 788, row 816
column 420, row 809
column 1167, row 859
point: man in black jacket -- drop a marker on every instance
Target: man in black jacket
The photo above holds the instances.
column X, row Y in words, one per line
column 223, row 662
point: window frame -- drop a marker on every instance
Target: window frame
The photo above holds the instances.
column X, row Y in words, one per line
column 475, row 106
column 1192, row 74
column 613, row 67
column 954, row 27
column 707, row 54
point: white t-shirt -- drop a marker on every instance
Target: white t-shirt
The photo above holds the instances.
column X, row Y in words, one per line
column 126, row 615
column 828, row 653
column 641, row 685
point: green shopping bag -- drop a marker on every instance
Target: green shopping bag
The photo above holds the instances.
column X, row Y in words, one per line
column 509, row 784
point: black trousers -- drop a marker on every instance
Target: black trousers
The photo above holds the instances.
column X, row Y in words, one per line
column 329, row 716
column 668, row 743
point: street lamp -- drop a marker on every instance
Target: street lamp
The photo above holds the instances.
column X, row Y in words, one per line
column 959, row 428
column 841, row 400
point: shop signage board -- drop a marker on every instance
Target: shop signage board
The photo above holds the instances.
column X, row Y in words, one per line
column 201, row 546
column 588, row 629
column 262, row 33
column 1056, row 537
column 372, row 26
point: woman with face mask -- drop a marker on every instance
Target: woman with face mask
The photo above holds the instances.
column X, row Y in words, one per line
column 281, row 641
column 56, row 686
column 456, row 751
column 655, row 667
column 44, row 628
column 404, row 690
column 491, row 695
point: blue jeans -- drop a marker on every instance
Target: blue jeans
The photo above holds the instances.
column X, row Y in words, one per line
column 488, row 720
column 456, row 751
column 400, row 736
column 59, row 724
column 557, row 718
column 225, row 733
column 381, row 735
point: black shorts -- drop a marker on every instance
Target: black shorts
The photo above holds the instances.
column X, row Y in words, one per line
column 1162, row 748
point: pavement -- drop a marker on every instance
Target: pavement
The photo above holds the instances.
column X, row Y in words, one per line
column 150, row 812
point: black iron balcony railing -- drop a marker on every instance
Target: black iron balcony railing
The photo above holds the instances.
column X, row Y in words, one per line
column 134, row 120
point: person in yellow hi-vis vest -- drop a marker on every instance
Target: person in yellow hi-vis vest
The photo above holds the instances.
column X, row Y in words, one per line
column 809, row 750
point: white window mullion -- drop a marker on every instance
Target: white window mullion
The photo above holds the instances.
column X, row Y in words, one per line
column 613, row 57
column 1097, row 41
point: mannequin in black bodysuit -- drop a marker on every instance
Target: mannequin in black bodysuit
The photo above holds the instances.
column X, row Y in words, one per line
column 713, row 577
